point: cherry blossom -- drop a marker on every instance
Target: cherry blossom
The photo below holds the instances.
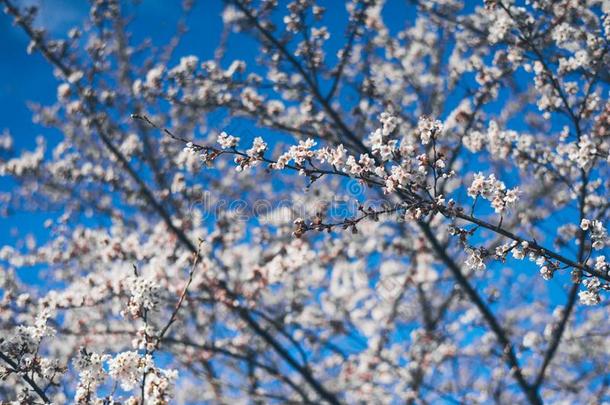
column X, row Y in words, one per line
column 354, row 210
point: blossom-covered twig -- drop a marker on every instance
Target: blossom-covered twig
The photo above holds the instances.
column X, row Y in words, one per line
column 14, row 368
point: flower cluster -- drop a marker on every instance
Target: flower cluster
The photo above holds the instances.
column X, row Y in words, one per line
column 160, row 385
column 227, row 141
column 128, row 368
column 259, row 146
column 297, row 153
column 91, row 374
column 493, row 190
column 144, row 295
column 475, row 259
column 26, row 163
column 599, row 234
column 590, row 296
column 427, row 129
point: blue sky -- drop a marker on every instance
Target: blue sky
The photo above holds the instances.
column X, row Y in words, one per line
column 23, row 78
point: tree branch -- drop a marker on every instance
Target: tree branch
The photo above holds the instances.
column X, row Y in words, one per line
column 15, row 368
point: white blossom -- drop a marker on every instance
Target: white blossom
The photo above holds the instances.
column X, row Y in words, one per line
column 258, row 147
column 428, row 128
column 227, row 141
column 128, row 368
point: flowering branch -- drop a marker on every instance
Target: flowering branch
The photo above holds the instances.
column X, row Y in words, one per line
column 30, row 381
